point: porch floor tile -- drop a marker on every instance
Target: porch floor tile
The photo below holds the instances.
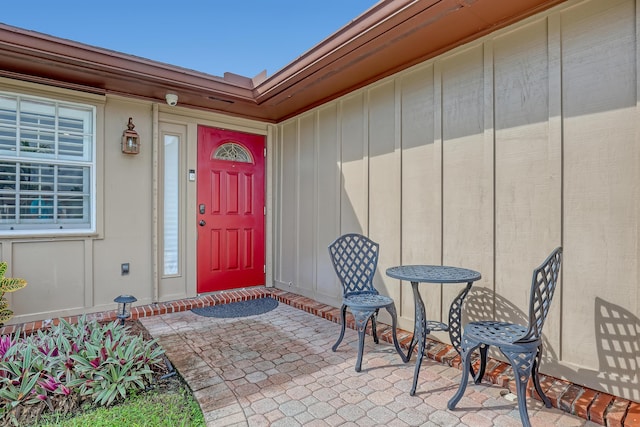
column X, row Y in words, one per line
column 278, row 369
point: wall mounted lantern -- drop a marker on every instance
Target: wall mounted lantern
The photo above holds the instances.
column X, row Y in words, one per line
column 124, row 306
column 130, row 139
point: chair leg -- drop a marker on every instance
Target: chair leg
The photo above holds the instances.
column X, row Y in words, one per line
column 374, row 332
column 536, row 380
column 522, row 363
column 362, row 317
column 343, row 317
column 466, row 367
column 483, row 364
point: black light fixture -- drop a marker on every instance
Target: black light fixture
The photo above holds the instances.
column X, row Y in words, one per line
column 124, row 306
column 130, row 139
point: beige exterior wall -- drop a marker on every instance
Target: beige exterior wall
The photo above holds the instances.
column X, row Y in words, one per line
column 488, row 157
column 69, row 275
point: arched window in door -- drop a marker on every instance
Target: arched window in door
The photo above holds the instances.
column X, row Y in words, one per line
column 233, row 152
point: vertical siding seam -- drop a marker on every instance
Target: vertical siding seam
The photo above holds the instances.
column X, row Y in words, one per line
column 297, row 205
column 398, row 147
column 281, row 203
column 637, row 19
column 6, row 250
column 316, row 164
column 489, row 76
column 268, row 202
column 89, row 282
column 340, row 180
column 438, row 137
column 366, row 159
column 278, row 204
column 555, row 117
column 155, row 197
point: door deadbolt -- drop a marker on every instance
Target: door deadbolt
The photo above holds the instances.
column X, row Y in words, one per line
column 202, row 209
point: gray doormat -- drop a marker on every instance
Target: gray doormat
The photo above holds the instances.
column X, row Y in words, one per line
column 238, row 309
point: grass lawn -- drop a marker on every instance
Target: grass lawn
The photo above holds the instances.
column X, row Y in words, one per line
column 168, row 406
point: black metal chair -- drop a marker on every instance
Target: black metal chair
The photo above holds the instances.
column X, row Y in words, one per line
column 355, row 259
column 522, row 345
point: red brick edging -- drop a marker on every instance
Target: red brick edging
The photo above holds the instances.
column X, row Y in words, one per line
column 601, row 408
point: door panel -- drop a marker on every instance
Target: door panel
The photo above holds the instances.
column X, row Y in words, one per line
column 231, row 243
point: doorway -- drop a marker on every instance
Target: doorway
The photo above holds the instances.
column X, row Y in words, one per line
column 231, row 210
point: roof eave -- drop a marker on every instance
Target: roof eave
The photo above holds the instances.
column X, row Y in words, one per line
column 389, row 37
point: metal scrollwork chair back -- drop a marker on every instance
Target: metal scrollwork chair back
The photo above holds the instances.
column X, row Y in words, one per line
column 522, row 345
column 355, row 260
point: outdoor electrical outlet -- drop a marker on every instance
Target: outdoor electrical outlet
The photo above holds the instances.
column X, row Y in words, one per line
column 124, row 268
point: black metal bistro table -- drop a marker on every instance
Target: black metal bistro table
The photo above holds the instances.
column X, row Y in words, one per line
column 433, row 274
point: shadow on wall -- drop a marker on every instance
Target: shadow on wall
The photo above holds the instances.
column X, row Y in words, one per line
column 617, row 334
column 617, row 340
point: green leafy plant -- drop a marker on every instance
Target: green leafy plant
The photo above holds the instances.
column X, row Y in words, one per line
column 7, row 284
column 119, row 363
column 61, row 368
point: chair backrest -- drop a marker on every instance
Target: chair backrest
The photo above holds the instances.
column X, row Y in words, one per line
column 543, row 286
column 355, row 259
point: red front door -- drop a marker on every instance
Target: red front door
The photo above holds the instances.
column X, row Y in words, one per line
column 230, row 211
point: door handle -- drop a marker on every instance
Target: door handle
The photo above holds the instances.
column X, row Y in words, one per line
column 202, row 223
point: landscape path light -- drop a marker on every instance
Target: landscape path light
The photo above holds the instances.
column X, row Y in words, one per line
column 124, row 306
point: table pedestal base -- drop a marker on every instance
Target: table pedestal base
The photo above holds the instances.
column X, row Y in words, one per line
column 424, row 327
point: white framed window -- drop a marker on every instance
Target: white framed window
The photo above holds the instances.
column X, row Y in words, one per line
column 171, row 207
column 47, row 165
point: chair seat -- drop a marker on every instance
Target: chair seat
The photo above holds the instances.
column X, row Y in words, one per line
column 521, row 345
column 494, row 333
column 367, row 301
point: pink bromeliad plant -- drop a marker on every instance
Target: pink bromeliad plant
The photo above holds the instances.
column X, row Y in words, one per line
column 87, row 361
column 6, row 341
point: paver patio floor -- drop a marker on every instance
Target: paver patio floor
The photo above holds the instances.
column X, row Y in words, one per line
column 277, row 369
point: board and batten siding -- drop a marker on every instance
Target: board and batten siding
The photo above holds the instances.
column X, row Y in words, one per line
column 488, row 157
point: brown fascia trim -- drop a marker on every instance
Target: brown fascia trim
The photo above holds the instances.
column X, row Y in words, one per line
column 353, row 35
column 383, row 20
column 57, row 83
column 70, row 53
column 379, row 22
